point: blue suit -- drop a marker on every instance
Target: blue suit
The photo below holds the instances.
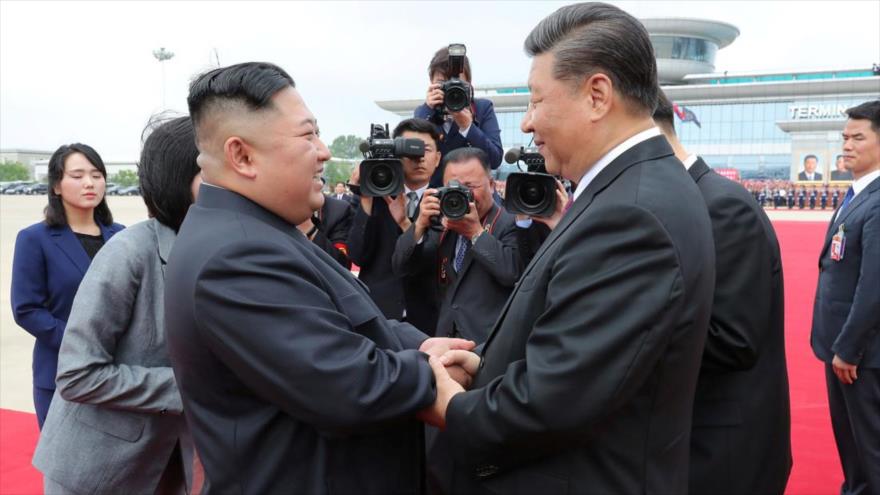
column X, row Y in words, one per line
column 484, row 134
column 48, row 265
column 846, row 322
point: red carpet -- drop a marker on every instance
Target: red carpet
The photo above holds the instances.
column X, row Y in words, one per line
column 816, row 467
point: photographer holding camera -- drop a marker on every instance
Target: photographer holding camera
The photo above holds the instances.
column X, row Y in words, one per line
column 462, row 120
column 379, row 221
column 474, row 257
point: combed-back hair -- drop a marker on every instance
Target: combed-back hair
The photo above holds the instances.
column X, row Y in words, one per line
column 54, row 211
column 167, row 168
column 593, row 37
column 252, row 84
column 460, row 155
column 418, row 125
column 869, row 110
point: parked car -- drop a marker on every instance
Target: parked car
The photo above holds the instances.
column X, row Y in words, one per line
column 6, row 187
column 21, row 188
column 38, row 188
column 111, row 188
column 129, row 191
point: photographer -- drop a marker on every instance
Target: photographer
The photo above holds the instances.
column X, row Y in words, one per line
column 474, row 126
column 328, row 228
column 377, row 224
column 474, row 258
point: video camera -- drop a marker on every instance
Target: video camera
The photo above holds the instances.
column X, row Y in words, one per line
column 455, row 200
column 533, row 192
column 381, row 171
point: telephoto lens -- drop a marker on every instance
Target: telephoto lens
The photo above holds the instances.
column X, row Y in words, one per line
column 455, row 200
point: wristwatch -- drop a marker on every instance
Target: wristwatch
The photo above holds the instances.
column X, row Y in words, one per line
column 477, row 236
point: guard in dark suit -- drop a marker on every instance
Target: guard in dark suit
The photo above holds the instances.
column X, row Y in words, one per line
column 475, row 126
column 742, row 392
column 291, row 378
column 476, row 259
column 586, row 382
column 331, row 226
column 802, row 198
column 846, row 319
column 813, row 199
column 377, row 224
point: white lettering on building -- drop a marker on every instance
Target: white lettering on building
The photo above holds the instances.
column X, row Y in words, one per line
column 807, row 112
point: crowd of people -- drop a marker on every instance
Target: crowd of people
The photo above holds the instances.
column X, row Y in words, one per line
column 631, row 341
column 783, row 194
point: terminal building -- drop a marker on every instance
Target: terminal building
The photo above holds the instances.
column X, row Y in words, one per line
column 762, row 125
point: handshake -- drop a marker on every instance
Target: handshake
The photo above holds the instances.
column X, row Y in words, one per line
column 454, row 366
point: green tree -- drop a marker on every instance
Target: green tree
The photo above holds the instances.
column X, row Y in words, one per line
column 346, row 147
column 335, row 171
column 10, row 171
column 125, row 178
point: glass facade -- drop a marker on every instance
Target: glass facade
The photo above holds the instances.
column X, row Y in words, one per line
column 681, row 48
column 742, row 135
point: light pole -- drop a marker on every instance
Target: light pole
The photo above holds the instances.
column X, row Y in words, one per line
column 162, row 55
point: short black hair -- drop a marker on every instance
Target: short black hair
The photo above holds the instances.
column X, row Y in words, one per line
column 421, row 126
column 464, row 154
column 814, row 157
column 54, row 211
column 588, row 38
column 664, row 114
column 869, row 110
column 252, row 84
column 440, row 63
column 167, row 168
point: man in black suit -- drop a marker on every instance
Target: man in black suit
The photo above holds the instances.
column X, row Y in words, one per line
column 328, row 228
column 377, row 224
column 586, row 382
column 846, row 313
column 809, row 171
column 475, row 258
column 742, row 391
column 291, row 379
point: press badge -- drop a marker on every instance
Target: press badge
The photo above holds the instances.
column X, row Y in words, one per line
column 838, row 244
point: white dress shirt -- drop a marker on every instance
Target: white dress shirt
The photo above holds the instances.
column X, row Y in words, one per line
column 690, row 161
column 610, row 156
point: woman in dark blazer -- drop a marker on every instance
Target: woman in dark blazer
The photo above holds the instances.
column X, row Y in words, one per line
column 117, row 396
column 52, row 256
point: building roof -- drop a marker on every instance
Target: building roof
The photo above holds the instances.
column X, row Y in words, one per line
column 720, row 33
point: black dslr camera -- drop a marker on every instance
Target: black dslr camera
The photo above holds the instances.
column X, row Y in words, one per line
column 382, row 171
column 455, row 200
column 456, row 92
column 531, row 193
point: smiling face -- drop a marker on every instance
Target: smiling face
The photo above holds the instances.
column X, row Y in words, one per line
column 82, row 185
column 558, row 116
column 861, row 147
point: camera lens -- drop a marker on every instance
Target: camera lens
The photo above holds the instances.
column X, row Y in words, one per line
column 454, row 205
column 381, row 176
column 531, row 193
column 456, row 99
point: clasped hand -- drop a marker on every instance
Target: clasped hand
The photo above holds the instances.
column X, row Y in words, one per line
column 453, row 373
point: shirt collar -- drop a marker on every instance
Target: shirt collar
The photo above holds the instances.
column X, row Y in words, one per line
column 610, row 156
column 690, row 161
column 861, row 184
column 418, row 191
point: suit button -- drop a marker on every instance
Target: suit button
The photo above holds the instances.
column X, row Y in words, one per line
column 486, row 471
column 455, row 306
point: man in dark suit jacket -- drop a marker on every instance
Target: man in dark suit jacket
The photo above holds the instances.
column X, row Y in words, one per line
column 291, row 379
column 377, row 224
column 475, row 126
column 475, row 259
column 809, row 171
column 586, row 382
column 742, row 392
column 846, row 318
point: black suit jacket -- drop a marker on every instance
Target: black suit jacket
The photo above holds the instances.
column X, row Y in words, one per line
column 838, row 175
column 816, row 176
column 371, row 242
column 291, row 379
column 472, row 298
column 334, row 222
column 846, row 319
column 742, row 392
column 587, row 380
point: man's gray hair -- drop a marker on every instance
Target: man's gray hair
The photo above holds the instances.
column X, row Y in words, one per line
column 587, row 38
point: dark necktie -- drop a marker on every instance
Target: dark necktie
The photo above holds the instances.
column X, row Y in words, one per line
column 461, row 249
column 412, row 204
column 846, row 199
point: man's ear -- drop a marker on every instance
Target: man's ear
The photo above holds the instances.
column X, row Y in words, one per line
column 599, row 91
column 240, row 155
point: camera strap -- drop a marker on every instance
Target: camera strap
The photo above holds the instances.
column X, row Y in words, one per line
column 442, row 275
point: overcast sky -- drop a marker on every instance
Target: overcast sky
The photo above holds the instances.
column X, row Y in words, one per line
column 84, row 71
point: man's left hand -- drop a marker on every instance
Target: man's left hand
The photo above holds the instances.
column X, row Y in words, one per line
column 447, row 388
column 438, row 346
column 397, row 207
column 846, row 373
column 467, row 226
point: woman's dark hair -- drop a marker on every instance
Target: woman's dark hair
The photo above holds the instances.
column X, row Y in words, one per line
column 167, row 168
column 54, row 211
